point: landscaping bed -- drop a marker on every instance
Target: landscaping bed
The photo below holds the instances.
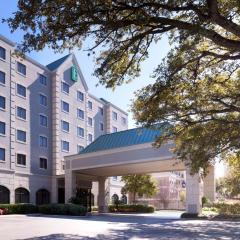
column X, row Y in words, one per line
column 131, row 208
column 55, row 209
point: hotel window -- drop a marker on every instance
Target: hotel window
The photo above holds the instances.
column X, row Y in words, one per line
column 43, row 141
column 90, row 122
column 65, row 146
column 80, row 113
column 124, row 121
column 114, row 129
column 21, row 113
column 21, row 90
column 90, row 137
column 101, row 127
column 42, row 79
column 21, row 68
column 2, row 53
column 80, row 132
column 114, row 116
column 65, row 88
column 90, row 105
column 21, row 159
column 65, row 126
column 43, row 100
column 2, row 154
column 65, row 107
column 80, row 96
column 100, row 109
column 43, row 120
column 79, row 148
column 43, row 163
column 2, row 128
column 21, row 136
column 2, row 78
column 2, row 102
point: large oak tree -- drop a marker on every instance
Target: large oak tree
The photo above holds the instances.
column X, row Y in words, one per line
column 197, row 87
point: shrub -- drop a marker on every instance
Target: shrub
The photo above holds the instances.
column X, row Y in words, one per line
column 228, row 209
column 20, row 208
column 131, row 208
column 189, row 215
column 63, row 209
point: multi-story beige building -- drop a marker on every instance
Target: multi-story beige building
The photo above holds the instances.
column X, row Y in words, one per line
column 46, row 113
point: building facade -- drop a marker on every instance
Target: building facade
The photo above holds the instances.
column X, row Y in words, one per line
column 171, row 191
column 46, row 113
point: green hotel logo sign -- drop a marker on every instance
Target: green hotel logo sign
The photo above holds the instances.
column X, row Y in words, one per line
column 74, row 74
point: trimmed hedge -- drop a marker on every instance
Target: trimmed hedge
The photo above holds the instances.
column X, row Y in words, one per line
column 127, row 208
column 227, row 209
column 20, row 208
column 63, row 209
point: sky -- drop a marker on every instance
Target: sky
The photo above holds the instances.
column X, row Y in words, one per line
column 122, row 95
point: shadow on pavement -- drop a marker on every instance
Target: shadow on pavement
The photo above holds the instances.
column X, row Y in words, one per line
column 185, row 230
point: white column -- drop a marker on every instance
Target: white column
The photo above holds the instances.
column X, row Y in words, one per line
column 209, row 184
column 70, row 184
column 102, row 203
column 193, row 193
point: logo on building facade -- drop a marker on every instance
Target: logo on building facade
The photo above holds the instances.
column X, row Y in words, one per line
column 74, row 74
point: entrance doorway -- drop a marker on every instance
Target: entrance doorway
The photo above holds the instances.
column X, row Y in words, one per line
column 85, row 197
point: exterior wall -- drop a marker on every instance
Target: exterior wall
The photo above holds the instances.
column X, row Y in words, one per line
column 31, row 176
column 170, row 185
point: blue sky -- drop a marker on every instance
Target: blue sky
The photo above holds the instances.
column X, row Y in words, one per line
column 122, row 95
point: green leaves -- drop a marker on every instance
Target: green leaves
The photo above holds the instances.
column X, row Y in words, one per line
column 139, row 184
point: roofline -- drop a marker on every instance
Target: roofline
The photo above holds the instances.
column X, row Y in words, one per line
column 8, row 41
column 96, row 98
column 113, row 105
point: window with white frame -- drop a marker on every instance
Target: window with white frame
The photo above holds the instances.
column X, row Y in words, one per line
column 90, row 137
column 80, row 113
column 43, row 163
column 2, row 154
column 65, row 126
column 21, row 159
column 79, row 148
column 65, row 88
column 114, row 116
column 21, row 136
column 43, row 141
column 90, row 105
column 101, row 126
column 90, row 121
column 2, row 53
column 124, row 121
column 114, row 129
column 2, row 102
column 21, row 113
column 43, row 79
column 21, row 90
column 65, row 107
column 100, row 110
column 2, row 78
column 43, row 100
column 65, row 146
column 2, row 128
column 80, row 96
column 21, row 68
column 80, row 132
column 43, row 120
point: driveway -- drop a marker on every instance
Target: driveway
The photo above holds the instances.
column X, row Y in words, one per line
column 111, row 227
